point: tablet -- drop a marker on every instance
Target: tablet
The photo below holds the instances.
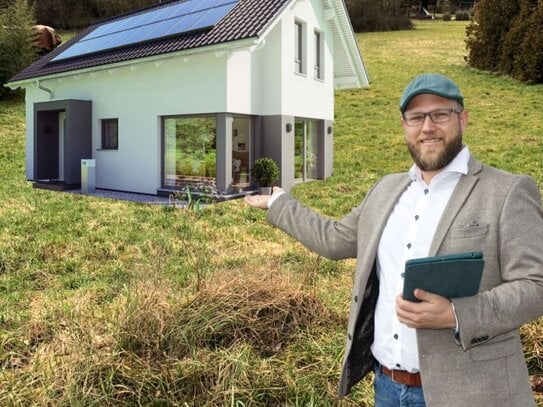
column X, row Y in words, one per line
column 451, row 276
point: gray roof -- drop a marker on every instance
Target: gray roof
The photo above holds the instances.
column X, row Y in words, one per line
column 249, row 18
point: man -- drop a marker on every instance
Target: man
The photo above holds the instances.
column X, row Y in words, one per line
column 438, row 352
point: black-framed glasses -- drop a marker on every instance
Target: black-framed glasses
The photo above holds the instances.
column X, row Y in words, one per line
column 437, row 116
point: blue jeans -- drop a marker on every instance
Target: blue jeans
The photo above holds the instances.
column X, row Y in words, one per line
column 392, row 394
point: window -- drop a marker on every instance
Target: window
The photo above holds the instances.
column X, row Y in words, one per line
column 305, row 150
column 110, row 134
column 318, row 55
column 189, row 150
column 299, row 48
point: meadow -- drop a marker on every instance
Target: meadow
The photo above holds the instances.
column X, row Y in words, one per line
column 115, row 303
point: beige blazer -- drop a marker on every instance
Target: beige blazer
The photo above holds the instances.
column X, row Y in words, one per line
column 492, row 211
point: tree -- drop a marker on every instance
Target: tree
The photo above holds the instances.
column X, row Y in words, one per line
column 487, row 32
column 506, row 37
column 381, row 15
column 530, row 64
column 16, row 41
column 510, row 57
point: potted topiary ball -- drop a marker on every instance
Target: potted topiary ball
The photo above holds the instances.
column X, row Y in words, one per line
column 265, row 172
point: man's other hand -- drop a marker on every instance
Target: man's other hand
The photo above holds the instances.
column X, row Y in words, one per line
column 433, row 312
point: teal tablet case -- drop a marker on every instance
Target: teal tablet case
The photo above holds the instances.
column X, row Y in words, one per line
column 451, row 276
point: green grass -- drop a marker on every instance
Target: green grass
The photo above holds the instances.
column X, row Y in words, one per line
column 108, row 303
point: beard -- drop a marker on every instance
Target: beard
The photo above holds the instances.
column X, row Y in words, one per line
column 436, row 160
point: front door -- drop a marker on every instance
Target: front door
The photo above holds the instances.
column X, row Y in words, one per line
column 47, row 154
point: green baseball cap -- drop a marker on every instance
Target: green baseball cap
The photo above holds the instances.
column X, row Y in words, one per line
column 431, row 83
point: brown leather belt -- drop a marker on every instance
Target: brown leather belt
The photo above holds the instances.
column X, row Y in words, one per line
column 403, row 377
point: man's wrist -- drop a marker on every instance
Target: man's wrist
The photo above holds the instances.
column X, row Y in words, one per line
column 275, row 194
column 456, row 328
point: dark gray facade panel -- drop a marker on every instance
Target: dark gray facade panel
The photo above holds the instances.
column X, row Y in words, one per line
column 277, row 142
column 328, row 156
column 77, row 138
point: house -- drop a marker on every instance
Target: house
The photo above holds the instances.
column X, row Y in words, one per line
column 185, row 91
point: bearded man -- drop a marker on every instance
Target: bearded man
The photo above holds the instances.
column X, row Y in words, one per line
column 439, row 352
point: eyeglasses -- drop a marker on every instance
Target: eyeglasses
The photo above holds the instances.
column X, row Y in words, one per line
column 437, row 116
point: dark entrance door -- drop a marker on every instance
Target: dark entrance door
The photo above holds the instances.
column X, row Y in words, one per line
column 47, row 146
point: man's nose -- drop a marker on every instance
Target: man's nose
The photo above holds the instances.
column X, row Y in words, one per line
column 427, row 123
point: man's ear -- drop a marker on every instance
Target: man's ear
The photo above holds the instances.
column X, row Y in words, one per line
column 464, row 118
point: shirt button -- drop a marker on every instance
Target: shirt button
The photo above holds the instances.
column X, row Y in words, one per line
column 416, row 217
column 349, row 336
column 409, row 245
column 398, row 365
column 426, row 191
column 356, row 298
column 395, row 336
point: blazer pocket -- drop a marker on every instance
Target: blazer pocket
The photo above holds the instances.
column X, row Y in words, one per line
column 470, row 231
column 494, row 350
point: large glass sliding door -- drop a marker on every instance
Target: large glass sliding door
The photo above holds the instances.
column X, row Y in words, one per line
column 305, row 150
column 189, row 150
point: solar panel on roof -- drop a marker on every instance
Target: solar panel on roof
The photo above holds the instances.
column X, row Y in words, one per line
column 171, row 20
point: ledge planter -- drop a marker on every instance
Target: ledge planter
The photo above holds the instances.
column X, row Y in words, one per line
column 265, row 172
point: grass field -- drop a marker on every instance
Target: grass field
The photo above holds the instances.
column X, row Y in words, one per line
column 109, row 303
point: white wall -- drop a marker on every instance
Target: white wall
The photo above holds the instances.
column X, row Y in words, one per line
column 304, row 95
column 138, row 95
column 275, row 88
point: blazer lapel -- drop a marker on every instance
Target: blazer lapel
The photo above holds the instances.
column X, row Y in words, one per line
column 458, row 197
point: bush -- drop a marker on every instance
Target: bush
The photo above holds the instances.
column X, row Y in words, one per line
column 16, row 37
column 529, row 65
column 387, row 15
column 487, row 32
column 265, row 171
column 510, row 56
column 505, row 36
column 461, row 15
column 447, row 17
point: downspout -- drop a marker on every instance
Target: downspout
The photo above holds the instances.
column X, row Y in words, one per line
column 45, row 89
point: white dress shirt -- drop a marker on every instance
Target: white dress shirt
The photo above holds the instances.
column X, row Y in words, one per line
column 408, row 234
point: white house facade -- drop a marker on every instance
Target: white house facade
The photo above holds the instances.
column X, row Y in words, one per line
column 159, row 120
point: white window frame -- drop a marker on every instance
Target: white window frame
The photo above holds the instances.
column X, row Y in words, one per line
column 318, row 54
column 300, row 47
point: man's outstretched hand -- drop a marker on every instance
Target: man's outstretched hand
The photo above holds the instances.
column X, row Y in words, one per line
column 261, row 201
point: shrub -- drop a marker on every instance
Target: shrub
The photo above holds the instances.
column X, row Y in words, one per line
column 505, row 36
column 447, row 17
column 510, row 56
column 461, row 15
column 369, row 15
column 16, row 37
column 265, row 171
column 487, row 32
column 529, row 66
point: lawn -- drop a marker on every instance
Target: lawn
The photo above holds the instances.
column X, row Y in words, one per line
column 111, row 303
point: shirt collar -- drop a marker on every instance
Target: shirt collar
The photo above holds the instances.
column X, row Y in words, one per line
column 459, row 165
